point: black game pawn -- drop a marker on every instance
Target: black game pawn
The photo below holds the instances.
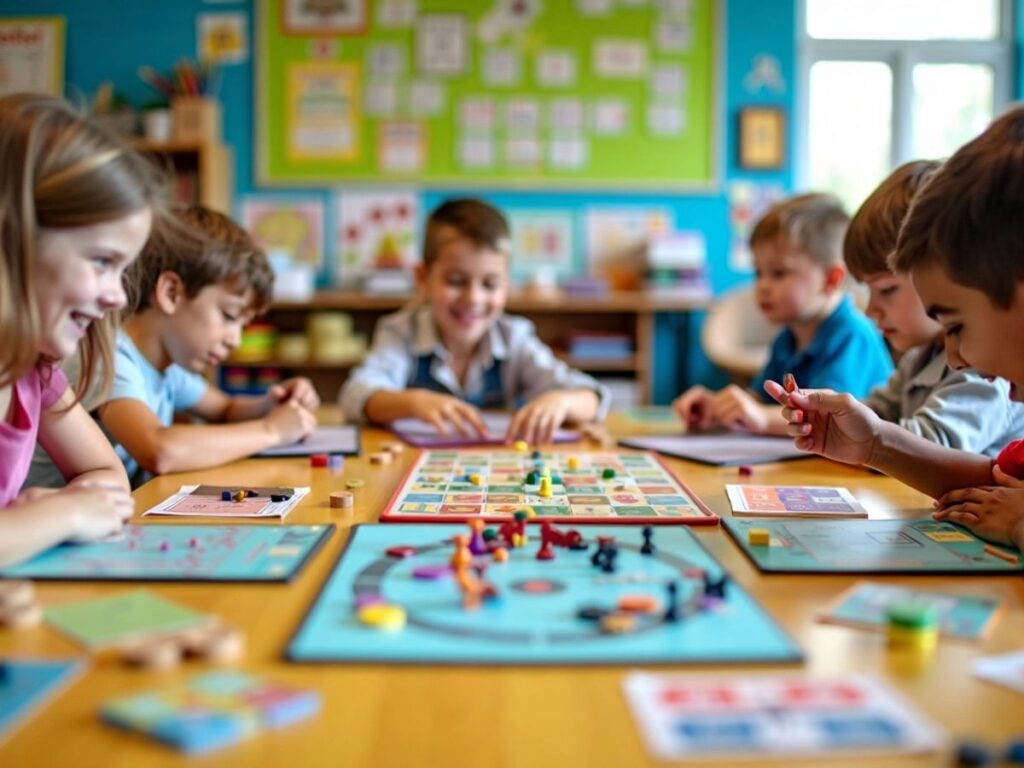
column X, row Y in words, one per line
column 672, row 614
column 648, row 547
column 611, row 552
column 715, row 587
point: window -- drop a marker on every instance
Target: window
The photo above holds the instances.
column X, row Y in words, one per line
column 887, row 81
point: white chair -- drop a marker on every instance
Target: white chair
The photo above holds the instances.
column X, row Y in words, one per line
column 736, row 337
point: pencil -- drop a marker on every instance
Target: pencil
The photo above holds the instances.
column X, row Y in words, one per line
column 996, row 552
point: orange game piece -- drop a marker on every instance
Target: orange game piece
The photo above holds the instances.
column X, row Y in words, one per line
column 639, row 604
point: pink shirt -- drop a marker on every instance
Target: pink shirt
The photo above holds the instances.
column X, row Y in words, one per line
column 32, row 394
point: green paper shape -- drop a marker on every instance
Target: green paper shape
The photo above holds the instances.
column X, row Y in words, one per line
column 106, row 621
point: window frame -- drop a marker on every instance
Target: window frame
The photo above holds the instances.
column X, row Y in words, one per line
column 901, row 56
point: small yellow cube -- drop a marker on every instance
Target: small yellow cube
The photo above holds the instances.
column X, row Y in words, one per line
column 521, row 445
column 476, row 480
column 573, row 463
column 759, row 537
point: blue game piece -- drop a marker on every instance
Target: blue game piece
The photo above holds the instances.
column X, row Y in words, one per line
column 225, row 495
column 535, row 455
column 592, row 612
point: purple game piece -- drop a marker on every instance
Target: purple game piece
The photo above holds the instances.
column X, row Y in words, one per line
column 369, row 599
column 430, row 572
column 165, row 546
column 193, row 543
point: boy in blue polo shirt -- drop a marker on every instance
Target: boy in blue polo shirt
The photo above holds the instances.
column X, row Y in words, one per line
column 798, row 259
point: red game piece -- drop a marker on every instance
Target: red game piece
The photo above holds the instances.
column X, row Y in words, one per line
column 401, row 551
column 318, row 460
column 746, row 471
column 165, row 546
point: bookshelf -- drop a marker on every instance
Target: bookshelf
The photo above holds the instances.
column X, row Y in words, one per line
column 624, row 313
column 201, row 171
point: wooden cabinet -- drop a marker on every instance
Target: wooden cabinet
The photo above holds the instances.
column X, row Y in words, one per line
column 631, row 313
column 201, row 172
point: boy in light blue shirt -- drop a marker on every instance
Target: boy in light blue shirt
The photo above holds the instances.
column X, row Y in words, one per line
column 800, row 284
column 455, row 351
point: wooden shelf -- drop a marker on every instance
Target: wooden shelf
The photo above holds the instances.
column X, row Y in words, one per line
column 202, row 172
column 304, row 365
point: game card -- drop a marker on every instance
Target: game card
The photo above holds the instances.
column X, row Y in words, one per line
column 793, row 501
column 191, row 500
column 865, row 605
column 701, row 717
column 1006, row 669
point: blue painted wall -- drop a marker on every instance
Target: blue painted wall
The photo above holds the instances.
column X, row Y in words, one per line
column 107, row 40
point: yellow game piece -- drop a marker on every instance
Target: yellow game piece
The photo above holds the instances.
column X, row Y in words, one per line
column 573, row 463
column 476, row 479
column 383, row 616
column 355, row 482
column 238, row 495
column 909, row 638
column 545, row 487
column 759, row 537
column 618, row 623
column 521, row 445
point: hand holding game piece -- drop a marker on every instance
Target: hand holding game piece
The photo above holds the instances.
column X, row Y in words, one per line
column 446, row 413
column 297, row 390
column 836, row 426
column 537, row 421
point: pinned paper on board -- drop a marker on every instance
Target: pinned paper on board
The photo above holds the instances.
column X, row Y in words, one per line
column 616, row 237
column 441, row 44
column 542, row 241
column 323, row 113
column 375, row 230
column 294, row 225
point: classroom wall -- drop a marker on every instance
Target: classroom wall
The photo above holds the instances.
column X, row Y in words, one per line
column 109, row 39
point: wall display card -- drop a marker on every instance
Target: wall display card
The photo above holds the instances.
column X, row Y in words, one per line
column 385, row 60
column 395, row 14
column 441, row 44
column 702, row 718
column 668, row 80
column 375, row 230
column 323, row 114
column 522, row 116
column 222, row 38
column 611, row 117
column 381, row 100
column 477, row 114
column 793, row 501
column 566, row 115
column 294, row 225
column 401, row 147
column 32, row 55
column 341, row 18
column 616, row 59
column 675, row 36
column 665, row 119
column 523, row 153
column 568, row 153
column 541, row 239
column 476, row 152
column 556, row 69
column 502, row 66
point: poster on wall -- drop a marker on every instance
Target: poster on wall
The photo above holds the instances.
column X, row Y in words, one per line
column 323, row 17
column 294, row 225
column 323, row 112
column 32, row 55
column 375, row 231
column 222, row 38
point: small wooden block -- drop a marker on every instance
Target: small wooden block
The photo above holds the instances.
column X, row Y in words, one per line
column 220, row 644
column 394, row 448
column 618, row 623
column 759, row 537
column 16, row 592
column 381, row 457
column 153, row 654
column 23, row 616
column 401, row 551
column 342, row 500
column 354, row 483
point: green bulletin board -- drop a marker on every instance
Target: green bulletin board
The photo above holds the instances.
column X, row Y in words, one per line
column 571, row 93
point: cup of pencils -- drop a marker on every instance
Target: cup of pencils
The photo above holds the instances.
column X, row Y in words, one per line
column 191, row 90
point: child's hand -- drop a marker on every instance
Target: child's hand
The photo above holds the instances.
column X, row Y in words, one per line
column 289, row 422
column 693, row 407
column 299, row 390
column 445, row 412
column 98, row 509
column 995, row 513
column 33, row 494
column 833, row 425
column 737, row 409
column 537, row 421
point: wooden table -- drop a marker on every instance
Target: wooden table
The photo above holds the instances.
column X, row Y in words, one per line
column 375, row 715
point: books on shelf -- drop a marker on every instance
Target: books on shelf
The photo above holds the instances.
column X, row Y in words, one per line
column 599, row 345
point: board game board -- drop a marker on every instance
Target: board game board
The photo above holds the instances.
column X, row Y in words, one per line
column 643, row 490
column 535, row 619
column 182, row 553
column 869, row 546
column 27, row 684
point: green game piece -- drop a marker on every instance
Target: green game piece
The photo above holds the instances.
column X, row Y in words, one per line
column 608, row 473
column 489, row 534
column 556, row 479
column 532, row 479
column 520, row 514
column 912, row 615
